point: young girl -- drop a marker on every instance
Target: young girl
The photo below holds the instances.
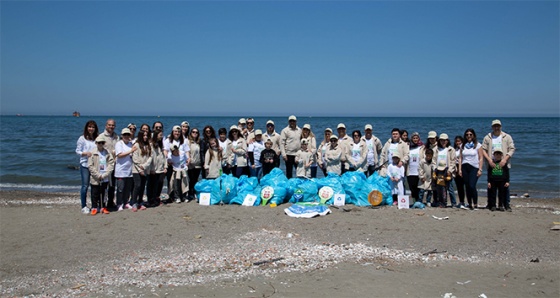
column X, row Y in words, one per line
column 323, row 147
column 158, row 169
column 446, row 154
column 179, row 182
column 308, row 135
column 213, row 160
column 304, row 159
column 195, row 164
column 100, row 165
column 238, row 155
column 396, row 173
column 425, row 169
column 142, row 159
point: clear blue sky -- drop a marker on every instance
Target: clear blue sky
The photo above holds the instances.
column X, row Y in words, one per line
column 365, row 58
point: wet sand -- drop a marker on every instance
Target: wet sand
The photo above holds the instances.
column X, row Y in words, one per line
column 48, row 248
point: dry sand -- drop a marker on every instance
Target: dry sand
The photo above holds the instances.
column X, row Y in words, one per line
column 48, row 248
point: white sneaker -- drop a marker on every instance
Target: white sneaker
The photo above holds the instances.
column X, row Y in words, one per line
column 85, row 210
column 120, row 208
column 177, row 201
column 127, row 206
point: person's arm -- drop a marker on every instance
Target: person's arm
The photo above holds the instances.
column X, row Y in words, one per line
column 480, row 161
column 80, row 147
column 460, row 170
column 121, row 151
column 110, row 164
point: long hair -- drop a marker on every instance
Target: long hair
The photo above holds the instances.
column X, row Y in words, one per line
column 181, row 139
column 155, row 142
column 145, row 148
column 95, row 133
column 455, row 142
column 475, row 142
column 212, row 133
column 212, row 152
column 194, row 139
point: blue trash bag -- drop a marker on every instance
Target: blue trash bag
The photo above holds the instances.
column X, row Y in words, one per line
column 356, row 193
column 382, row 184
column 209, row 186
column 302, row 190
column 333, row 181
column 228, row 189
column 247, row 186
column 278, row 181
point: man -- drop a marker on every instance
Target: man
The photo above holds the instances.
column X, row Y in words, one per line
column 344, row 142
column 274, row 137
column 290, row 144
column 374, row 149
column 394, row 144
column 111, row 139
column 242, row 126
column 494, row 140
column 250, row 130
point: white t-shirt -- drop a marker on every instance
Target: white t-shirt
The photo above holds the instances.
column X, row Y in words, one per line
column 123, row 166
column 413, row 161
column 371, row 156
column 182, row 147
column 496, row 142
column 396, row 172
column 179, row 162
column 392, row 149
column 103, row 164
column 470, row 156
column 256, row 148
column 442, row 155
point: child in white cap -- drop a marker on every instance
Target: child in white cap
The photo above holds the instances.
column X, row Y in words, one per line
column 304, row 159
column 396, row 173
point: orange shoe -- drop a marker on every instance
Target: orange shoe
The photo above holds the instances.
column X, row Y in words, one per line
column 105, row 211
column 94, row 211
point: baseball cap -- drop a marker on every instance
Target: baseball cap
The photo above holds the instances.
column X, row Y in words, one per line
column 269, row 122
column 258, row 132
column 125, row 130
column 242, row 121
column 341, row 125
column 307, row 126
column 292, row 117
column 432, row 134
column 443, row 136
column 328, row 129
column 441, row 165
column 496, row 122
column 368, row 126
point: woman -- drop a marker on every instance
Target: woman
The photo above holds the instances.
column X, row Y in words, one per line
column 158, row 168
column 146, row 127
column 208, row 134
column 84, row 147
column 195, row 165
column 175, row 138
column 185, row 129
column 446, row 154
column 459, row 181
column 413, row 166
column 323, row 147
column 470, row 166
column 308, row 135
column 238, row 156
column 431, row 143
column 404, row 136
column 357, row 153
column 333, row 156
column 142, row 159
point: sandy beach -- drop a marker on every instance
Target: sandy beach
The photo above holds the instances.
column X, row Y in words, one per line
column 185, row 250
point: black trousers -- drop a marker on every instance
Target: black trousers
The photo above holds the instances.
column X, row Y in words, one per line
column 290, row 165
column 98, row 194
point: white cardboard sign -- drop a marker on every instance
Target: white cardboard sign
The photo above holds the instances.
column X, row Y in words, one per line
column 204, row 199
column 249, row 200
column 339, row 199
column 403, row 202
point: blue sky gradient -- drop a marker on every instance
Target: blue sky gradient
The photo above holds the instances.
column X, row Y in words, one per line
column 366, row 58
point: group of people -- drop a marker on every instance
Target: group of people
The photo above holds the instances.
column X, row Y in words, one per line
column 133, row 163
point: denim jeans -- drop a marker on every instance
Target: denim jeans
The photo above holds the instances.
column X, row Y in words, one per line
column 470, row 178
column 84, row 172
column 124, row 189
column 428, row 195
column 138, row 190
column 451, row 192
column 256, row 172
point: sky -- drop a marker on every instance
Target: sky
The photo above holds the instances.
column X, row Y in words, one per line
column 275, row 58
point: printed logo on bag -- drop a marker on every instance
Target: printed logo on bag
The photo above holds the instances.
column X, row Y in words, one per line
column 326, row 193
column 298, row 194
column 267, row 192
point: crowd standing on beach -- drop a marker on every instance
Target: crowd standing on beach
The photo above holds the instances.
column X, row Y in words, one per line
column 134, row 163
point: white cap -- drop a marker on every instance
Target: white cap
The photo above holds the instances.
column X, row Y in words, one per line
column 185, row 123
column 496, row 122
column 432, row 135
column 177, row 127
column 258, row 132
column 125, row 130
column 334, row 137
column 443, row 136
column 368, row 126
column 307, row 126
column 341, row 125
column 233, row 127
column 328, row 129
column 292, row 117
column 269, row 122
column 242, row 121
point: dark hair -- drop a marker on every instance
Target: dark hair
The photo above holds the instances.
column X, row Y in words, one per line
column 455, row 141
column 95, row 133
column 439, row 143
column 145, row 148
column 211, row 151
column 222, row 130
column 357, row 132
column 181, row 139
column 475, row 142
column 154, row 125
column 190, row 137
column 402, row 132
column 429, row 151
column 155, row 142
column 230, row 134
column 396, row 129
column 212, row 133
column 145, row 124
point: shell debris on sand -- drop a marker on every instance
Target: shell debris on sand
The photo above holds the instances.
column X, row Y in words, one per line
column 180, row 266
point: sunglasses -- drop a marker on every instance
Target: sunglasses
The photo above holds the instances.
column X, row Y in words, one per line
column 102, row 143
column 196, row 132
column 158, row 127
column 469, row 134
column 334, row 140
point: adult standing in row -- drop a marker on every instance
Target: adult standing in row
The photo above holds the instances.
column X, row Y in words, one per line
column 274, row 137
column 238, row 156
column 459, row 181
column 208, row 133
column 84, row 148
column 470, row 165
column 175, row 138
column 111, row 139
column 158, row 169
column 499, row 139
column 394, row 144
column 374, row 149
column 142, row 160
column 446, row 154
column 308, row 135
column 344, row 143
column 290, row 144
column 413, row 166
column 357, row 153
column 323, row 147
column 431, row 143
column 195, row 164
column 123, row 168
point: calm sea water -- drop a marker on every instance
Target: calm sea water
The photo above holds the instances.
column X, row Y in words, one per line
column 38, row 152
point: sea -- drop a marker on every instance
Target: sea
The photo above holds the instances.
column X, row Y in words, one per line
column 38, row 152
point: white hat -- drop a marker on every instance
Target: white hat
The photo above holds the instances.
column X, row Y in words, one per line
column 174, row 147
column 443, row 136
column 125, row 130
column 292, row 117
column 185, row 123
column 269, row 122
column 496, row 122
column 397, row 155
column 341, row 125
column 368, row 126
column 233, row 127
column 334, row 137
column 432, row 135
column 328, row 129
column 177, row 127
column 258, row 132
column 304, row 141
column 307, row 126
column 442, row 164
column 100, row 138
column 242, row 121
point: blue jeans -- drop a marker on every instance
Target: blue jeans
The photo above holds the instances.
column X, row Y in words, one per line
column 428, row 195
column 256, row 172
column 84, row 172
column 470, row 178
column 451, row 192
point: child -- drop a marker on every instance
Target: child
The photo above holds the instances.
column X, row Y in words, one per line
column 213, row 160
column 100, row 165
column 304, row 159
column 498, row 180
column 441, row 178
column 396, row 173
column 254, row 150
column 269, row 158
column 179, row 185
column 425, row 169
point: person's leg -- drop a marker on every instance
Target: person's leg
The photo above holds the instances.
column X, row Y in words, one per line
column 314, row 172
column 85, row 175
column 492, row 196
column 169, row 181
column 413, row 185
column 290, row 165
column 95, row 193
column 451, row 193
column 472, row 181
column 111, row 191
column 193, row 179
column 150, row 189
column 127, row 191
column 102, row 202
column 120, row 190
column 136, row 190
column 460, row 183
